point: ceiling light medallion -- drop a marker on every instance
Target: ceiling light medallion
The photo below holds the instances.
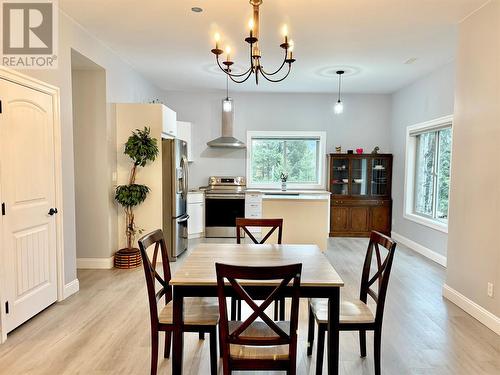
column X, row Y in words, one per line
column 255, row 53
column 339, row 106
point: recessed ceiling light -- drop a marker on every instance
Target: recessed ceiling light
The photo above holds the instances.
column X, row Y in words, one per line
column 411, row 60
column 197, row 9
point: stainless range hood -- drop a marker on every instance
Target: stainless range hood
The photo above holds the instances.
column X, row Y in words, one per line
column 227, row 140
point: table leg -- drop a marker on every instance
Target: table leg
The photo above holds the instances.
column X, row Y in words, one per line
column 178, row 344
column 333, row 332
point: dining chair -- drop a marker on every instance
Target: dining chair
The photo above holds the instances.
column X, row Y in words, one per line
column 200, row 314
column 355, row 315
column 242, row 224
column 258, row 344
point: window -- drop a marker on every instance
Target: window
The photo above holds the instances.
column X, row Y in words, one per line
column 428, row 173
column 299, row 154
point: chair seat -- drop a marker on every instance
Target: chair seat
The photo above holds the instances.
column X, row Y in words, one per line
column 255, row 330
column 197, row 311
column 351, row 311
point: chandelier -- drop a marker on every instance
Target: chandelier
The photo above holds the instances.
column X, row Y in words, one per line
column 255, row 54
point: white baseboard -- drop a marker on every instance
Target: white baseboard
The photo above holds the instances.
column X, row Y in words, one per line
column 95, row 263
column 71, row 288
column 426, row 252
column 489, row 319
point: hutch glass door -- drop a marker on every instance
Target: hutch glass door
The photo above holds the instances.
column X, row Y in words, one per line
column 359, row 176
column 340, row 177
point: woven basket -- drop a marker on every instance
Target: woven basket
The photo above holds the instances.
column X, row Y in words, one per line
column 128, row 258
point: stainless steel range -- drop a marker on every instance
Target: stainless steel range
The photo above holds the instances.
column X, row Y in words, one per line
column 224, row 202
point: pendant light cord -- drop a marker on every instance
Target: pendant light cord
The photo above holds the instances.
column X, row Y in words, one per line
column 340, row 85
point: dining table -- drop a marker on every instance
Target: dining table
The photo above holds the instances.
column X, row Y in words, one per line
column 196, row 277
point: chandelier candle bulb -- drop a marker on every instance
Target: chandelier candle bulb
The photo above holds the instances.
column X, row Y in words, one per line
column 291, row 46
column 251, row 25
column 285, row 33
column 228, row 53
column 217, row 40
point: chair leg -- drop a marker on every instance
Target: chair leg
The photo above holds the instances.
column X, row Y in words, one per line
column 201, row 335
column 220, row 345
column 310, row 333
column 239, row 310
column 233, row 308
column 276, row 310
column 377, row 341
column 213, row 351
column 320, row 349
column 168, row 343
column 362, row 342
column 154, row 352
column 282, row 308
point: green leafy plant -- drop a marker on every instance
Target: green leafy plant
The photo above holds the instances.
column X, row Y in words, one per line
column 141, row 148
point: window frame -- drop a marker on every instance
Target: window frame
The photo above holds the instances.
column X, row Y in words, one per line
column 412, row 132
column 321, row 164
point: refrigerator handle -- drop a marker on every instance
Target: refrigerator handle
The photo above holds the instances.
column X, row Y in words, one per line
column 185, row 185
column 183, row 219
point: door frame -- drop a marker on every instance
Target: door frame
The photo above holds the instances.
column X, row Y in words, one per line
column 32, row 83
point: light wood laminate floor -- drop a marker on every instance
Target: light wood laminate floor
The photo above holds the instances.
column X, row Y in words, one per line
column 104, row 329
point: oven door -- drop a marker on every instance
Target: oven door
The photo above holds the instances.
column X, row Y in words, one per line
column 221, row 211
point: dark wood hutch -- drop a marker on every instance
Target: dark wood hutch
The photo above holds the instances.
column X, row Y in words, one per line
column 361, row 194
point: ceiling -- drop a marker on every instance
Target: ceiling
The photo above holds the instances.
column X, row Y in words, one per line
column 170, row 45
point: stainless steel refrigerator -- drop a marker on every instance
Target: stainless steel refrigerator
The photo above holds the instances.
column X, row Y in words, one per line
column 175, row 189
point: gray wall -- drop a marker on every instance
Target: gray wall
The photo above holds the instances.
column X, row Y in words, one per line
column 95, row 232
column 428, row 98
column 474, row 250
column 364, row 123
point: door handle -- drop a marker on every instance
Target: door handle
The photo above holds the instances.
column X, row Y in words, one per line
column 53, row 211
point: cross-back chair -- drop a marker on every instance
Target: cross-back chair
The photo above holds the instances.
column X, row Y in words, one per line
column 355, row 315
column 200, row 315
column 258, row 344
column 242, row 224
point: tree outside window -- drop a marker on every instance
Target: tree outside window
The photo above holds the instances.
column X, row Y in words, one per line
column 432, row 174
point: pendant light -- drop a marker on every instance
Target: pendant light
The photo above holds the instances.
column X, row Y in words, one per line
column 339, row 106
column 227, row 103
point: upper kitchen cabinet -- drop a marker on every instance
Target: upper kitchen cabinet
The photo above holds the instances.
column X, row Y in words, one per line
column 361, row 194
column 184, row 133
column 169, row 121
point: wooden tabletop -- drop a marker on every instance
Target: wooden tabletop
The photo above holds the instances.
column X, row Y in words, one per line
column 199, row 267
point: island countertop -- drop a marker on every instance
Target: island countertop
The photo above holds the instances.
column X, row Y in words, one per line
column 291, row 194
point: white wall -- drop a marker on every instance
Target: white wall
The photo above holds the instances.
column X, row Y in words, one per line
column 365, row 123
column 428, row 98
column 473, row 246
column 123, row 84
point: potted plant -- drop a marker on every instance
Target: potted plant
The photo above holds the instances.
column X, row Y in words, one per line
column 141, row 148
column 284, row 179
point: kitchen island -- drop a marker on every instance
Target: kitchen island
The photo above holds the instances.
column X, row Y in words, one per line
column 305, row 213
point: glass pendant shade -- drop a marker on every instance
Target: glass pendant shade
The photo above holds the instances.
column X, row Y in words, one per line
column 338, row 108
column 227, row 105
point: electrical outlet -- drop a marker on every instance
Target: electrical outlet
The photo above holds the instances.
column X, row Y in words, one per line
column 490, row 290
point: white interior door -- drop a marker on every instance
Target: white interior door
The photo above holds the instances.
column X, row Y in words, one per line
column 27, row 188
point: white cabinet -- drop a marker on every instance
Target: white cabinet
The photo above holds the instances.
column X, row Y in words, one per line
column 253, row 208
column 184, row 133
column 169, row 121
column 196, row 212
